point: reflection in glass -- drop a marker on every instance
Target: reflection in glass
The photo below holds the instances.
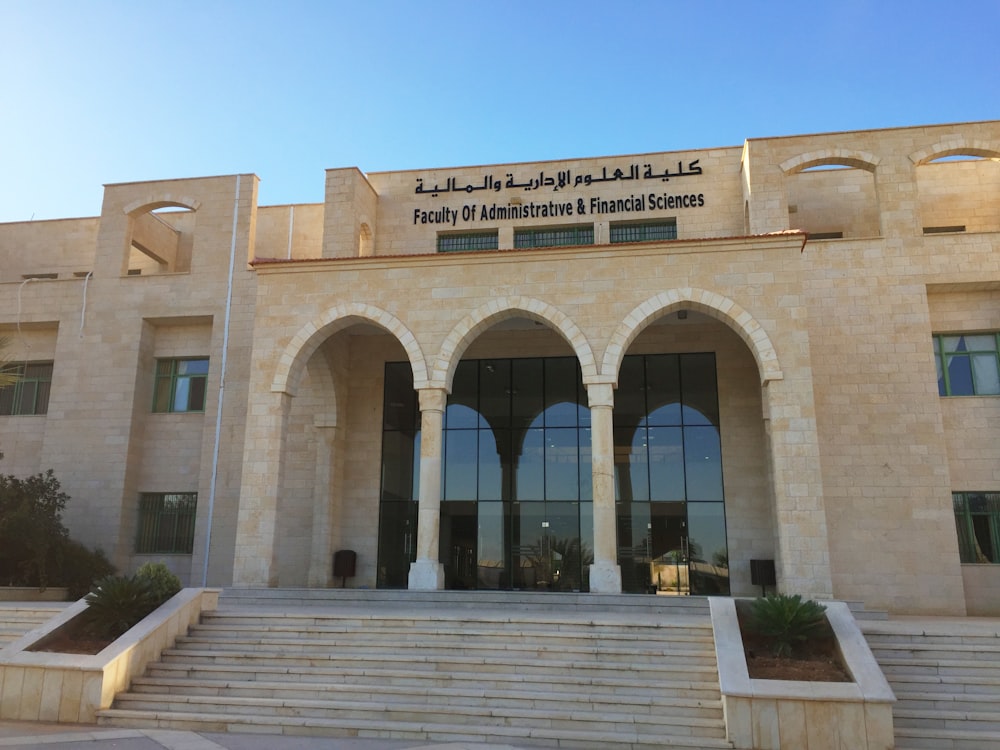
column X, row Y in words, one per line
column 631, row 464
column 709, row 552
column 703, row 463
column 461, row 462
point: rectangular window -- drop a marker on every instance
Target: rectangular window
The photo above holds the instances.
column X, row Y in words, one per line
column 180, row 385
column 554, row 237
column 968, row 364
column 977, row 519
column 467, row 241
column 166, row 523
column 643, row 231
column 30, row 392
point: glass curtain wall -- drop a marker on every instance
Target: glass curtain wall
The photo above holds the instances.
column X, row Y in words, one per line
column 516, row 511
column 668, row 476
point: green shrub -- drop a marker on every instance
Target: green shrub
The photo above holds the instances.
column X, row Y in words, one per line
column 80, row 567
column 163, row 583
column 788, row 620
column 116, row 603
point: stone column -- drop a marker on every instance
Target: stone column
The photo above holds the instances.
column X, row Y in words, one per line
column 803, row 551
column 427, row 572
column 256, row 559
column 605, row 573
column 321, row 558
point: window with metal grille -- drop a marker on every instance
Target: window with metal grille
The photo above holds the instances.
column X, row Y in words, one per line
column 968, row 364
column 644, row 231
column 30, row 392
column 456, row 243
column 166, row 522
column 977, row 520
column 180, row 385
column 555, row 237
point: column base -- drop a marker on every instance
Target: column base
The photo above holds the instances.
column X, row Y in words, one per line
column 426, row 575
column 605, row 578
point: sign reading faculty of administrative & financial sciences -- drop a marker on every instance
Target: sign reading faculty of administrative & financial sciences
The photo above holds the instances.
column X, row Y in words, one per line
column 517, row 208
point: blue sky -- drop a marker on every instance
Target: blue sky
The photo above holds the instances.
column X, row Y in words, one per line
column 116, row 91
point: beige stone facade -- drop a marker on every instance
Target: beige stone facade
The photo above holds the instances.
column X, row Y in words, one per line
column 817, row 269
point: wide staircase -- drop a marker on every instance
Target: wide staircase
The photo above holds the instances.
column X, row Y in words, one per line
column 945, row 673
column 539, row 669
column 17, row 618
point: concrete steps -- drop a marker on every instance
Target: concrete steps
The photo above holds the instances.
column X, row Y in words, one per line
column 946, row 677
column 533, row 670
column 17, row 618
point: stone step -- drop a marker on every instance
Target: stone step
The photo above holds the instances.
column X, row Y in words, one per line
column 582, row 718
column 455, row 663
column 943, row 667
column 932, row 651
column 696, row 637
column 537, row 736
column 911, row 738
column 703, row 702
column 938, row 701
column 518, row 648
column 952, row 684
column 988, row 721
column 622, row 683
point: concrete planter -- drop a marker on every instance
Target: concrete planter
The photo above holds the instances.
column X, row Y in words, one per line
column 791, row 715
column 43, row 686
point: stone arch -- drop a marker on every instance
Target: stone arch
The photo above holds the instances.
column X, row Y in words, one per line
column 304, row 343
column 153, row 202
column 154, row 245
column 831, row 156
column 709, row 303
column 957, row 146
column 366, row 241
column 503, row 308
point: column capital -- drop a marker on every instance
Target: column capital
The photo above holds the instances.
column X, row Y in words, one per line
column 432, row 399
column 601, row 394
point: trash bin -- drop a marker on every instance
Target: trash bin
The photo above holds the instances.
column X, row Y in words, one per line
column 762, row 574
column 345, row 562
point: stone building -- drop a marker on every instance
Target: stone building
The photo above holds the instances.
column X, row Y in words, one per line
column 634, row 373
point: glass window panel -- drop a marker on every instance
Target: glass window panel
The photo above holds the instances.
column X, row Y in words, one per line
column 398, row 451
column 982, row 531
column 192, row 367
column 960, row 376
column 196, row 401
column 562, row 464
column 981, row 343
column 397, row 543
column 703, row 463
column 181, row 394
column 708, row 550
column 634, row 546
column 7, row 400
column 561, row 545
column 663, row 389
column 493, row 459
column 400, row 409
column 561, row 408
column 666, row 463
column 954, row 343
column 492, row 568
column 461, row 454
column 165, row 367
column 630, row 397
column 698, row 383
column 586, row 464
column 494, row 392
column 526, row 524
column 463, row 403
column 527, row 397
column 987, row 378
column 26, row 402
column 942, row 391
column 530, row 463
column 631, row 465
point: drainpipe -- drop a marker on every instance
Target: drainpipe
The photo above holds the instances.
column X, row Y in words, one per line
column 222, row 387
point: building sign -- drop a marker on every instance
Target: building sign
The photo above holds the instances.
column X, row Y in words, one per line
column 517, row 208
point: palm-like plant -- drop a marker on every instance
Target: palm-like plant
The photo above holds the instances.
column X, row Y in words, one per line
column 8, row 371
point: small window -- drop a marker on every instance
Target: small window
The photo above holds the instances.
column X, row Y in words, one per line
column 945, row 230
column 43, row 276
column 555, row 237
column 30, row 392
column 180, row 385
column 467, row 241
column 967, row 364
column 166, row 523
column 977, row 520
column 826, row 235
column 643, row 231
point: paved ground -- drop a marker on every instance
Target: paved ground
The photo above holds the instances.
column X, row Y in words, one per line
column 25, row 735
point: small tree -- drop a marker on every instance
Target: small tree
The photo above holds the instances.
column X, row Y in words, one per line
column 788, row 620
column 31, row 528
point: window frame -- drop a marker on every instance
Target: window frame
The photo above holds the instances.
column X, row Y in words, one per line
column 625, row 226
column 965, row 526
column 468, row 242
column 165, row 384
column 570, row 235
column 22, row 370
column 943, row 359
column 154, row 513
